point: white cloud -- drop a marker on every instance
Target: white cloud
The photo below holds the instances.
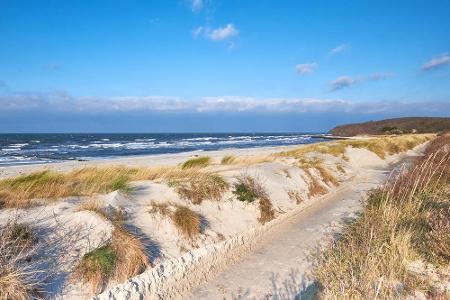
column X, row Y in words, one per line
column 196, row 5
column 346, row 81
column 304, row 69
column 339, row 49
column 222, row 33
column 343, row 82
column 436, row 62
column 218, row 34
column 64, row 103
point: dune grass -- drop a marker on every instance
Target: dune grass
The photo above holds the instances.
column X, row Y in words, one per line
column 187, row 222
column 248, row 189
column 122, row 257
column 227, row 160
column 19, row 191
column 406, row 220
column 199, row 186
column 131, row 256
column 198, row 162
column 26, row 190
column 96, row 267
column 20, row 276
column 317, row 163
column 381, row 146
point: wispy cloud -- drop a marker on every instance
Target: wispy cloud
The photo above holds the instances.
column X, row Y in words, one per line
column 196, row 5
column 339, row 49
column 226, row 33
column 343, row 82
column 346, row 81
column 62, row 102
column 304, row 69
column 381, row 76
column 436, row 62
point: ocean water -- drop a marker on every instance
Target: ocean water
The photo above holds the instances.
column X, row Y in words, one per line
column 16, row 149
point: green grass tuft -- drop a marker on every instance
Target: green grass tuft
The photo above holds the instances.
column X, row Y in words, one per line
column 199, row 162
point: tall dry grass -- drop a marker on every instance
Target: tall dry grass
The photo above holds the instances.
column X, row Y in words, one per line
column 406, row 220
column 187, row 221
column 120, row 258
column 199, row 186
column 249, row 189
column 21, row 276
column 26, row 190
column 381, row 146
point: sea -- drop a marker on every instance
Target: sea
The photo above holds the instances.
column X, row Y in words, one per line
column 19, row 149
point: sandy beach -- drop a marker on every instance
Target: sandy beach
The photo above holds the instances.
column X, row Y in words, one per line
column 280, row 180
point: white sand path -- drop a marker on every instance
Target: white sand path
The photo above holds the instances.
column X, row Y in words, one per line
column 278, row 268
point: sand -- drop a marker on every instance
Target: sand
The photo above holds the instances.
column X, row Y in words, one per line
column 77, row 232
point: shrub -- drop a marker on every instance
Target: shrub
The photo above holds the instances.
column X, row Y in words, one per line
column 187, row 221
column 199, row 162
column 96, row 267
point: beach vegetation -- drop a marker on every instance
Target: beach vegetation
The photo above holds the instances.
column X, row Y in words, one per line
column 248, row 189
column 226, row 160
column 96, row 267
column 21, row 277
column 186, row 221
column 198, row 162
column 199, row 186
column 404, row 222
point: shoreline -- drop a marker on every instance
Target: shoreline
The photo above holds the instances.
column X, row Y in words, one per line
column 146, row 160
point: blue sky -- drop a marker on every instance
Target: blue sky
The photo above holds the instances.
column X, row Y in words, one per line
column 211, row 65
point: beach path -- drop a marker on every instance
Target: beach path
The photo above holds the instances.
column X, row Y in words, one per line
column 279, row 267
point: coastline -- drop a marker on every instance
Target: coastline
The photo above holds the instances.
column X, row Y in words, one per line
column 147, row 160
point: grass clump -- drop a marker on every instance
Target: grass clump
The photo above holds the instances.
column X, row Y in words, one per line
column 197, row 186
column 122, row 257
column 131, row 256
column 20, row 191
column 21, row 276
column 198, row 162
column 249, row 189
column 295, row 196
column 406, row 220
column 226, row 160
column 187, row 221
column 379, row 145
column 96, row 267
